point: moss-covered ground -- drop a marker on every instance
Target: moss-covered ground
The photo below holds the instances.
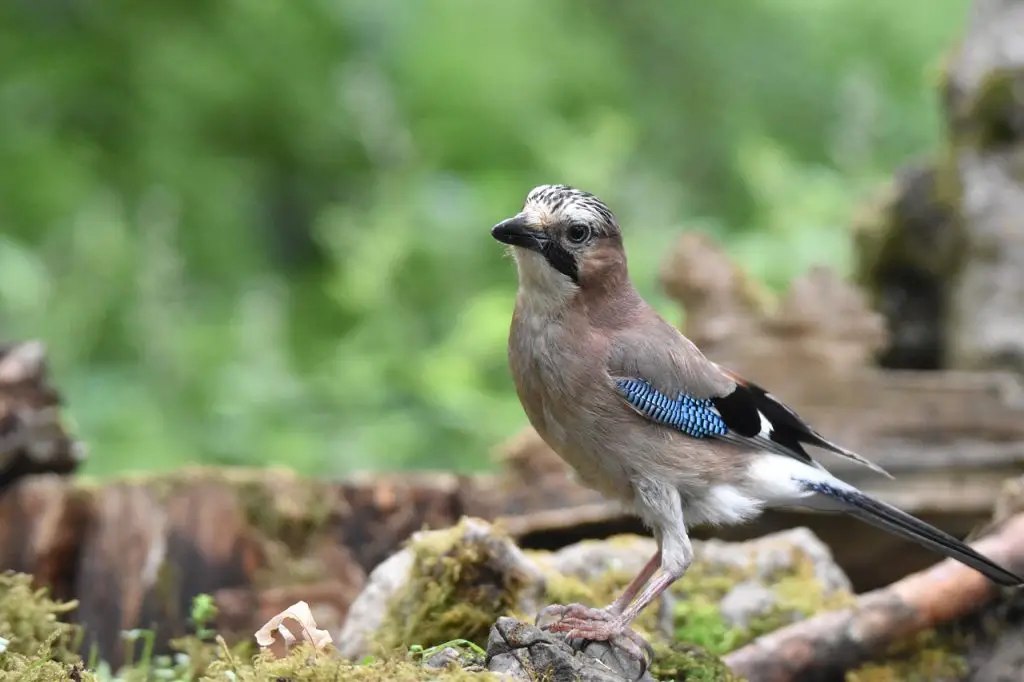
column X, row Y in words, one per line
column 456, row 592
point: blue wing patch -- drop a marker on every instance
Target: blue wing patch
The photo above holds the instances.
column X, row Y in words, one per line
column 697, row 418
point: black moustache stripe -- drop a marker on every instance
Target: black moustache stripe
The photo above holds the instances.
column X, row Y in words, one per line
column 562, row 260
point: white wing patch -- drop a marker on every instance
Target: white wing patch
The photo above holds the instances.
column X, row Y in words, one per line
column 778, row 479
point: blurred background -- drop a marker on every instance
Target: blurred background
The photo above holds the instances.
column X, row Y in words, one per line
column 258, row 233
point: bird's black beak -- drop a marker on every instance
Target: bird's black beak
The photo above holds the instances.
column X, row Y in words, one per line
column 517, row 232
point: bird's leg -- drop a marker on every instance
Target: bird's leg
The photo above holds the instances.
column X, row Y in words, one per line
column 602, row 624
column 663, row 508
column 663, row 578
column 624, row 600
column 581, row 612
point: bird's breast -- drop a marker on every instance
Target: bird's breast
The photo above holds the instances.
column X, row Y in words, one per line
column 559, row 379
column 541, row 364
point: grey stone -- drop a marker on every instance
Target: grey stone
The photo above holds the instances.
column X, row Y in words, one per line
column 986, row 328
column 367, row 611
column 747, row 600
column 592, row 558
column 448, row 656
column 524, row 652
column 773, row 555
column 1005, row 661
column 451, row 658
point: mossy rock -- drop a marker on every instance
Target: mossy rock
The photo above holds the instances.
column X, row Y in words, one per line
column 926, row 657
column 909, row 247
column 462, row 579
column 793, row 569
column 993, row 117
column 682, row 662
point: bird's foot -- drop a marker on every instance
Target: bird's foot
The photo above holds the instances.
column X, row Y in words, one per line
column 598, row 625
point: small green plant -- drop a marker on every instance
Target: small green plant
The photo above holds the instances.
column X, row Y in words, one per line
column 204, row 611
column 418, row 650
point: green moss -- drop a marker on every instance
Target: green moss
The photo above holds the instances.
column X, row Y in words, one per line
column 911, row 225
column 710, row 581
column 37, row 646
column 697, row 617
column 563, row 589
column 699, row 621
column 927, row 657
column 457, row 589
column 304, row 664
column 687, row 663
column 30, row 620
column 284, row 506
column 40, row 668
column 991, row 118
column 799, row 594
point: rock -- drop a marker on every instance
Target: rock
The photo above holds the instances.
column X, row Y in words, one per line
column 908, row 247
column 756, row 586
column 445, row 585
column 776, row 554
column 366, row 613
column 985, row 111
column 448, row 656
column 472, row 583
column 731, row 593
column 746, row 601
column 590, row 559
column 524, row 652
column 1004, row 662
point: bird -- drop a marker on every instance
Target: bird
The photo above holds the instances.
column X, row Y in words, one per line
column 645, row 418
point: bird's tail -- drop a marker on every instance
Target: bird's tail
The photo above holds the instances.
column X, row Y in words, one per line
column 893, row 520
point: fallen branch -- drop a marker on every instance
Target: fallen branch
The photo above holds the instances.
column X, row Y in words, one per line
column 828, row 645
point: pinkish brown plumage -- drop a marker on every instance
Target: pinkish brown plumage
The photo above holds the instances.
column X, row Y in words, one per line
column 646, row 419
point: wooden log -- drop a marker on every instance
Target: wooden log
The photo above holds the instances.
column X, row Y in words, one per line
column 375, row 514
column 136, row 552
column 42, row 523
column 151, row 547
column 826, row 646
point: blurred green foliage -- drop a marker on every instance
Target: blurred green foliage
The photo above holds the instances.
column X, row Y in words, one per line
column 257, row 232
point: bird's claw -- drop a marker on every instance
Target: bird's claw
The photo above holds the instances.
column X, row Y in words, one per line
column 558, row 612
column 599, row 625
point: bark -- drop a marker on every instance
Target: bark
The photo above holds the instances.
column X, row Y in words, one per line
column 825, row 646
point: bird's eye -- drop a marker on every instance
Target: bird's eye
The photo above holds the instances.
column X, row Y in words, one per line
column 579, row 233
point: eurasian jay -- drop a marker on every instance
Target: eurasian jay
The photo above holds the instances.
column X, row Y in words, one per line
column 643, row 417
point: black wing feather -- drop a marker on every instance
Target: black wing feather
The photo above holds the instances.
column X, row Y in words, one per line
column 742, row 411
column 745, row 406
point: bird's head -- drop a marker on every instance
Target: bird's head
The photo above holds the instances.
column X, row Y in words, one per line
column 564, row 240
